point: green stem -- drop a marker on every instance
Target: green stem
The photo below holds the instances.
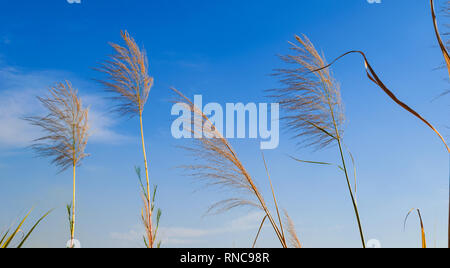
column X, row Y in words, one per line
column 74, row 164
column 72, row 233
column 344, row 166
column 355, row 206
column 149, row 205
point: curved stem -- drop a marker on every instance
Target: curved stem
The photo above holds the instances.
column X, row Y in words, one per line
column 447, row 61
column 242, row 169
column 260, row 199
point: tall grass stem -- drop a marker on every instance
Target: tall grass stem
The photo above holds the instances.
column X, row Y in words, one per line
column 149, row 211
column 72, row 229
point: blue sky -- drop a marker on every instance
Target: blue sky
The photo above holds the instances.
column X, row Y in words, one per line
column 225, row 50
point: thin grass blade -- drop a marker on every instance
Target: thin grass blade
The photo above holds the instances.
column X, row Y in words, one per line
column 259, row 231
column 293, row 239
column 274, row 199
column 316, row 163
column 32, row 229
column 3, row 238
column 11, row 237
column 424, row 240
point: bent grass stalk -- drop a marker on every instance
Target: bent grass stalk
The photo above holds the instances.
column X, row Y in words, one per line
column 371, row 74
column 313, row 106
column 66, row 133
column 422, row 229
column 375, row 79
column 222, row 167
column 447, row 62
column 128, row 78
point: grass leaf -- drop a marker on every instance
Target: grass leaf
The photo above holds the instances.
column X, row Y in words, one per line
column 424, row 240
column 32, row 229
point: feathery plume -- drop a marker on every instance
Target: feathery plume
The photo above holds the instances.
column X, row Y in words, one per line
column 65, row 129
column 128, row 79
column 293, row 238
column 312, row 103
column 311, row 100
column 220, row 166
column 422, row 228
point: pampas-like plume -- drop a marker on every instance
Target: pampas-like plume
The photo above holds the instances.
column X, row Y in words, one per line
column 293, row 238
column 221, row 167
column 312, row 103
column 128, row 79
column 65, row 129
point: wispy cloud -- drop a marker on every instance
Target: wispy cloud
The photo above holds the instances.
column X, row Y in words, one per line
column 175, row 236
column 102, row 122
column 18, row 91
column 180, row 236
column 131, row 236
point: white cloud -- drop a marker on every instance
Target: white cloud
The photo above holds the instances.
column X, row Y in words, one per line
column 101, row 121
column 248, row 222
column 18, row 91
column 132, row 235
column 180, row 236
